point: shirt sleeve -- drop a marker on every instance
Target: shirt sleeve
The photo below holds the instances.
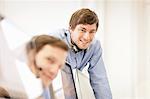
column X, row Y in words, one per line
column 97, row 74
column 58, row 33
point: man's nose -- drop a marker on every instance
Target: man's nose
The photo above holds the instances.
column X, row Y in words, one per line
column 86, row 36
column 55, row 70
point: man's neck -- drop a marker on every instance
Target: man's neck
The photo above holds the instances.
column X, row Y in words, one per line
column 75, row 47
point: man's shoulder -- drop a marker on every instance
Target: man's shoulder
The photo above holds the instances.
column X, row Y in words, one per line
column 60, row 33
column 95, row 43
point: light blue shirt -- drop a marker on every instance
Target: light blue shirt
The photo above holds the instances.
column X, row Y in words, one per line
column 46, row 93
column 91, row 56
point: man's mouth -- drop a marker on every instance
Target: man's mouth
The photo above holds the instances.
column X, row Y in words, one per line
column 49, row 76
column 84, row 42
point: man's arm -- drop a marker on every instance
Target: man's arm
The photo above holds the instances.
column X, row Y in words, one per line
column 98, row 76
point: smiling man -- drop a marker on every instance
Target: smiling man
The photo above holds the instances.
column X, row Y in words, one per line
column 85, row 49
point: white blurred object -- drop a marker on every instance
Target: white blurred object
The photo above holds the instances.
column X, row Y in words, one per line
column 83, row 86
column 15, row 75
column 33, row 86
column 13, row 35
column 58, row 87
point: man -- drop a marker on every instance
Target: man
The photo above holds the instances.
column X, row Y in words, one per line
column 85, row 49
column 46, row 56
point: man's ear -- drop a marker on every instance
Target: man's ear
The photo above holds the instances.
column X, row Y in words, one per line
column 70, row 30
column 32, row 63
column 31, row 57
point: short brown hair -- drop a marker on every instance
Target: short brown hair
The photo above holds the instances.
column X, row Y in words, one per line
column 83, row 16
column 4, row 93
column 38, row 42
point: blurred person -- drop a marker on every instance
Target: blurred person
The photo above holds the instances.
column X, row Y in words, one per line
column 46, row 55
column 85, row 49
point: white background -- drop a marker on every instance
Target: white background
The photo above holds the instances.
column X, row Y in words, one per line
column 124, row 33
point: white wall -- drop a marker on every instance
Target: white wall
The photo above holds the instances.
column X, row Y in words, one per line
column 39, row 16
column 124, row 33
column 119, row 47
column 148, row 50
column 144, row 55
column 126, row 47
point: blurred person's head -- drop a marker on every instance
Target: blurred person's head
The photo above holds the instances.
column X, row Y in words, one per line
column 83, row 26
column 46, row 55
column 3, row 93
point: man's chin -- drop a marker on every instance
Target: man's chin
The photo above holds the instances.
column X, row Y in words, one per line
column 83, row 47
column 46, row 83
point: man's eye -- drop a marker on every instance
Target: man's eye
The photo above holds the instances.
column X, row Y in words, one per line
column 50, row 60
column 82, row 30
column 92, row 32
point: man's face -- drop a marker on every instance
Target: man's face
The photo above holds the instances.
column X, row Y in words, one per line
column 50, row 59
column 83, row 35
